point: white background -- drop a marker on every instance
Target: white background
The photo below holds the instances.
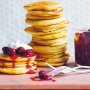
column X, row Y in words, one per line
column 12, row 19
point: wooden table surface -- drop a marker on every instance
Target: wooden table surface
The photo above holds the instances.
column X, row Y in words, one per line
column 76, row 81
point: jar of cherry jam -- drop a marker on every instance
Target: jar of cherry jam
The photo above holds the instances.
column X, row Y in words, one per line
column 82, row 47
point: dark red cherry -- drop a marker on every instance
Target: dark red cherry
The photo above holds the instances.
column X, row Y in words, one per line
column 20, row 51
column 9, row 51
column 42, row 72
column 29, row 53
column 43, row 75
column 5, row 49
column 46, row 77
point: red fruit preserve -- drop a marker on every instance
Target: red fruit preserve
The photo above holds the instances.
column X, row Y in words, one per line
column 82, row 47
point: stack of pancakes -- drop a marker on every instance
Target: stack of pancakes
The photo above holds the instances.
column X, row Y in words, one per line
column 48, row 30
column 17, row 65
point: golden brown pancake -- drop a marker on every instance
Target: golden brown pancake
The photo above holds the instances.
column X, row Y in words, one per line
column 19, row 59
column 5, row 64
column 44, row 22
column 33, row 31
column 53, row 57
column 16, row 70
column 53, row 42
column 51, row 28
column 34, row 17
column 49, row 49
column 42, row 64
column 42, row 5
column 46, row 13
column 53, row 36
column 57, row 60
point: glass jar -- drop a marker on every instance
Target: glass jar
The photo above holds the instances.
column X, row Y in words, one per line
column 82, row 47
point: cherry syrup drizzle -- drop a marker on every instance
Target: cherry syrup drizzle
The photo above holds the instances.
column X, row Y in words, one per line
column 39, row 79
column 30, row 72
column 3, row 64
column 14, row 60
column 28, row 67
column 27, row 64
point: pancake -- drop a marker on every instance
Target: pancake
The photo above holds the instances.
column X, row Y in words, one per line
column 50, row 52
column 48, row 49
column 18, row 59
column 32, row 31
column 46, row 13
column 54, row 42
column 53, row 57
column 35, row 44
column 13, row 71
column 44, row 22
column 42, row 64
column 52, row 36
column 42, row 5
column 20, row 62
column 55, row 60
column 34, row 17
column 51, row 28
column 16, row 70
column 12, row 64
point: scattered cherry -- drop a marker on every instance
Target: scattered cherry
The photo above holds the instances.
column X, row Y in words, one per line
column 20, row 51
column 43, row 75
column 9, row 51
column 42, row 72
column 46, row 77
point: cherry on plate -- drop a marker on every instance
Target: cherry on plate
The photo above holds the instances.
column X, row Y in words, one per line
column 29, row 53
column 9, row 51
column 20, row 51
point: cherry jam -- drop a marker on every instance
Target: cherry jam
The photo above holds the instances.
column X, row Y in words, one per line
column 82, row 47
